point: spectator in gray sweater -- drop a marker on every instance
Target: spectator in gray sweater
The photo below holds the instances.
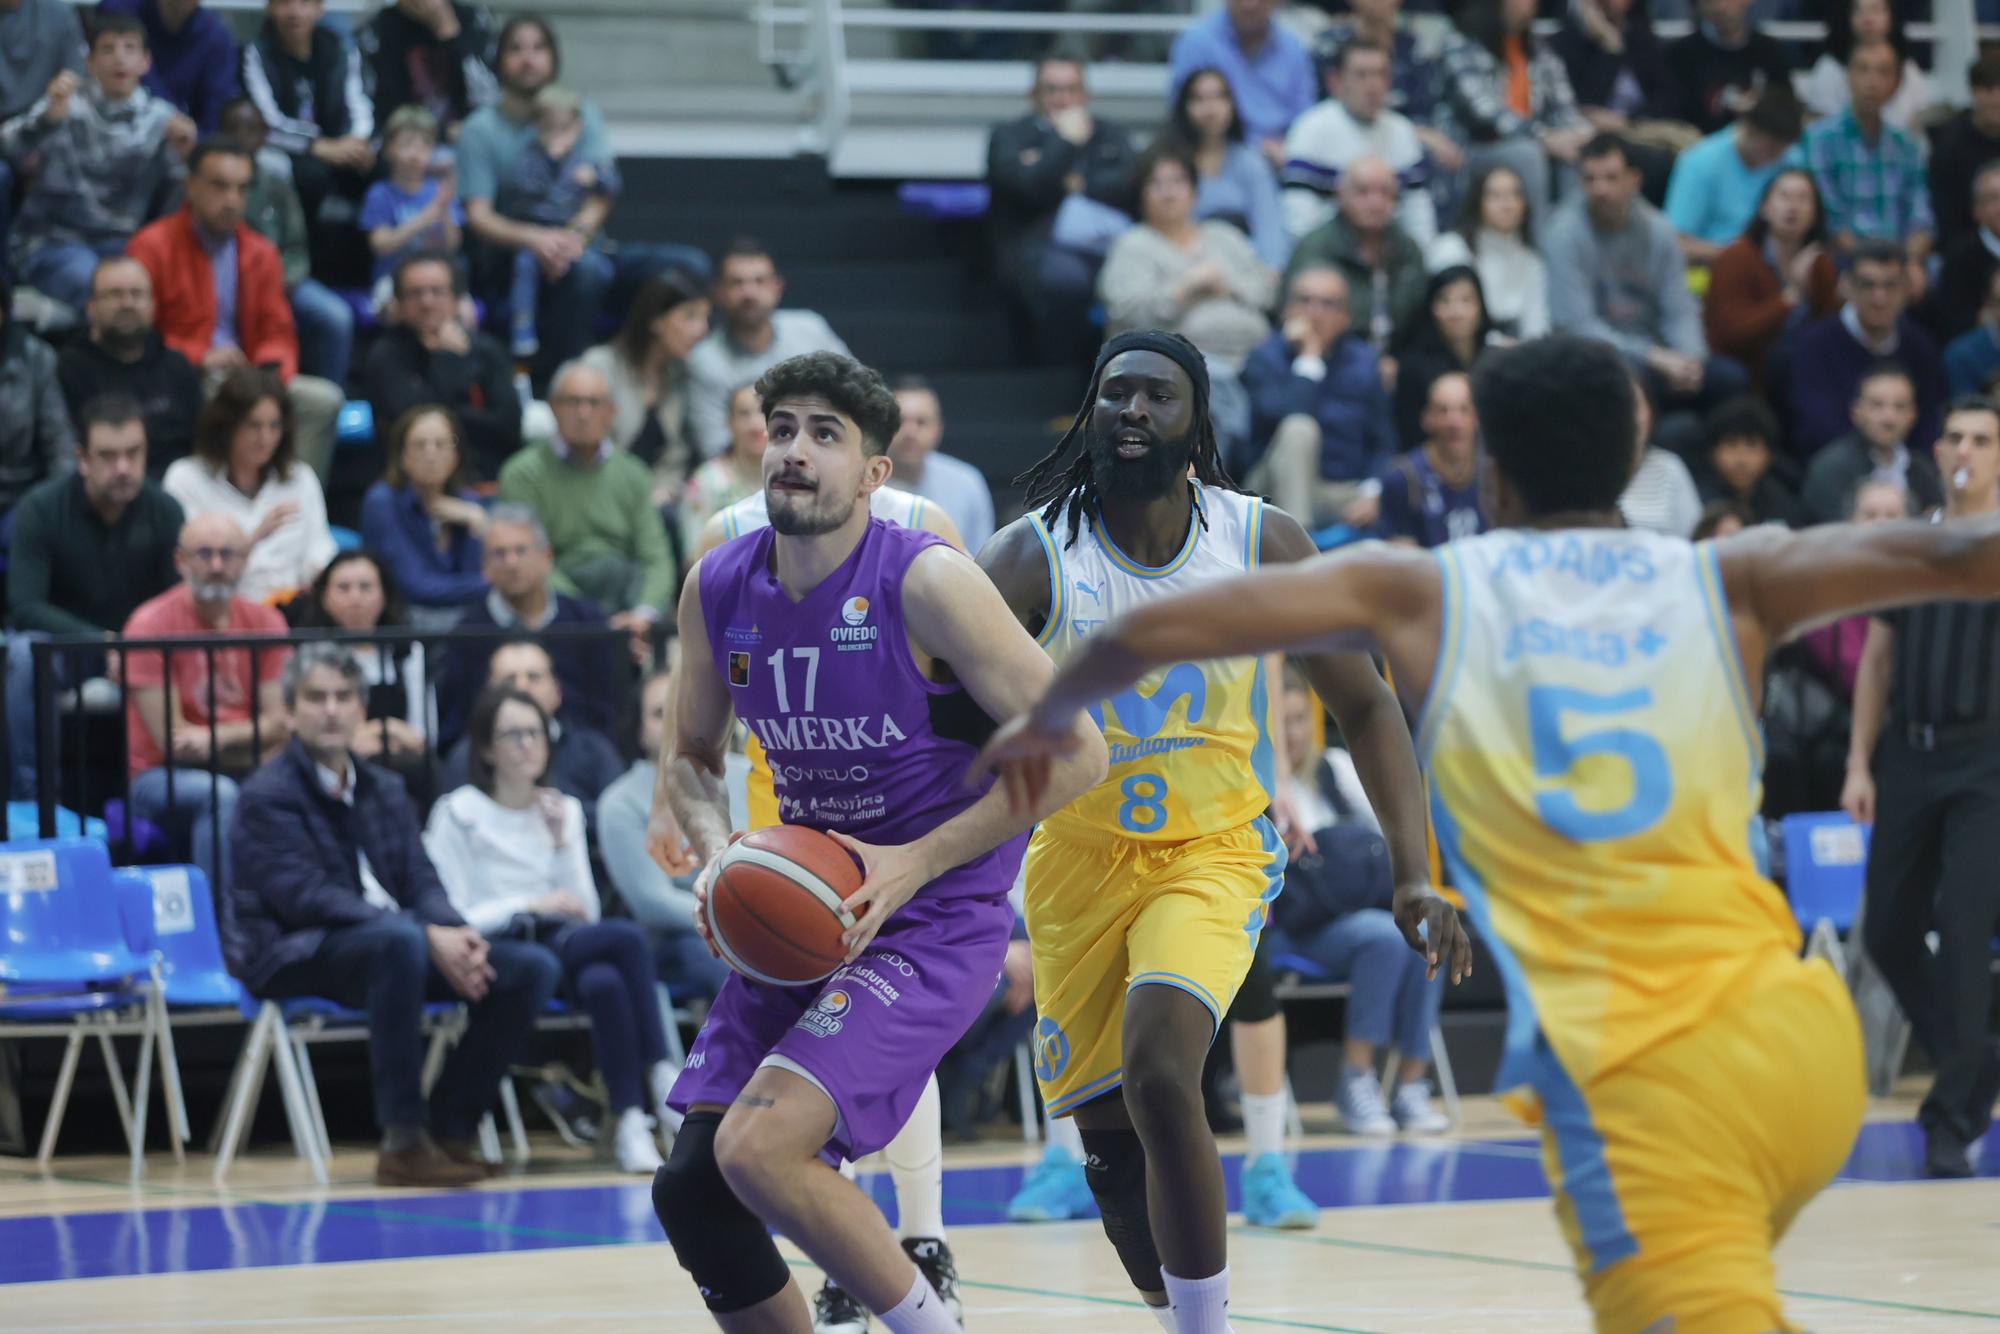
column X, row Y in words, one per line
column 106, row 154
column 664, row 905
column 1616, row 272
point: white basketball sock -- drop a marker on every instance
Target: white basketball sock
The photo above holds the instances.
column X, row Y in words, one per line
column 921, row 1311
column 1200, row 1305
column 1163, row 1314
column 1065, row 1136
column 916, row 1165
column 1263, row 1124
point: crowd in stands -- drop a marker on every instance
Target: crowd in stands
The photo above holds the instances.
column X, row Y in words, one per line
column 212, row 251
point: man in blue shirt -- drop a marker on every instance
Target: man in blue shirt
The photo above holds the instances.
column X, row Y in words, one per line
column 1316, row 397
column 194, row 56
column 1718, row 183
column 1269, row 72
column 1430, row 496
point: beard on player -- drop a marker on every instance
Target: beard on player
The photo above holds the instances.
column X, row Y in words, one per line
column 1134, row 462
column 800, row 507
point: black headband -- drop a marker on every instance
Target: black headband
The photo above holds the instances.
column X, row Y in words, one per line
column 1169, row 345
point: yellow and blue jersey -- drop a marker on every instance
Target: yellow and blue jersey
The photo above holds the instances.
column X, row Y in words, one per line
column 1190, row 744
column 1595, row 770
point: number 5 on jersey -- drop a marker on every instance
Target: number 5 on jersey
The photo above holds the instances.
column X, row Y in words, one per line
column 1557, row 757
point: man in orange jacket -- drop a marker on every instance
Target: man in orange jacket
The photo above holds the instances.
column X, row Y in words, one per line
column 219, row 292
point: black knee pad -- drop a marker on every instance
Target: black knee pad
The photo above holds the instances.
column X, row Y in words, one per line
column 1257, row 999
column 725, row 1247
column 1114, row 1165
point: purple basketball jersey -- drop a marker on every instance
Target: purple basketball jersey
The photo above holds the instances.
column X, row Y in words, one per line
column 857, row 739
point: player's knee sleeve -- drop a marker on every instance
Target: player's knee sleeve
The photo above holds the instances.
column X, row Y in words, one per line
column 1114, row 1165
column 725, row 1247
column 1257, row 999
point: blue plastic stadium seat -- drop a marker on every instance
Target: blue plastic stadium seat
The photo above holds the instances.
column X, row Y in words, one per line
column 944, row 200
column 176, row 907
column 1336, row 535
column 354, row 428
column 24, row 822
column 1826, row 865
column 345, row 539
column 59, row 917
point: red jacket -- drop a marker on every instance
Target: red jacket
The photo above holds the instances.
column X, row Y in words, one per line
column 184, row 293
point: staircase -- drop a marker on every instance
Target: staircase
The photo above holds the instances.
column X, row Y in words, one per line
column 911, row 295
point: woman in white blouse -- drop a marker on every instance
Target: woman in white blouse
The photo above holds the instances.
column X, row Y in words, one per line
column 1494, row 236
column 245, row 465
column 512, row 858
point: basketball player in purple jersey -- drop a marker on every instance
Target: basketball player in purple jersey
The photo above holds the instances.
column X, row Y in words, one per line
column 870, row 660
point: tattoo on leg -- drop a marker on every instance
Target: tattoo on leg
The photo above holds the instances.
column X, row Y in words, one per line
column 749, row 1100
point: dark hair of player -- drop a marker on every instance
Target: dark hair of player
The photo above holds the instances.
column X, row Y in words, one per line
column 1557, row 418
column 854, row 390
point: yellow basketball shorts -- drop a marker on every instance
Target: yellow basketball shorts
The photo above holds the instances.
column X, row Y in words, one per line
column 1679, row 1171
column 1106, row 915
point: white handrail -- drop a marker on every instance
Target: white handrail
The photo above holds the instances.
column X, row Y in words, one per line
column 963, row 20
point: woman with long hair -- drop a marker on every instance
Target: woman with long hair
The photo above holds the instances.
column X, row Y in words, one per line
column 731, row 475
column 355, row 593
column 1774, row 278
column 646, row 365
column 1198, row 279
column 1234, row 183
column 512, row 858
column 245, row 465
column 423, row 521
column 1495, row 236
column 1449, row 336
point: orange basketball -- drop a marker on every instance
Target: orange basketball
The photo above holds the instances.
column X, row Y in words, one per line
column 774, row 907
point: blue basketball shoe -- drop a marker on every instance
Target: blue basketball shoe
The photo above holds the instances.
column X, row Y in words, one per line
column 1272, row 1199
column 1055, row 1190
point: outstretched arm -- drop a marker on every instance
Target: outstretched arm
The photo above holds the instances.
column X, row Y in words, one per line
column 1371, row 721
column 1780, row 584
column 956, row 617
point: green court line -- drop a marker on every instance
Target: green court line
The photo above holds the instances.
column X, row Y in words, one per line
column 1423, row 1253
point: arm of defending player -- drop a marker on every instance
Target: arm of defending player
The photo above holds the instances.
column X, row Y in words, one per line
column 1332, row 602
column 956, row 616
column 690, row 799
column 1781, row 583
column 1371, row 721
column 1014, row 561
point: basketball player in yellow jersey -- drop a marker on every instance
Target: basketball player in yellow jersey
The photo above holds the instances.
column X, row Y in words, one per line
column 1589, row 701
column 1146, row 896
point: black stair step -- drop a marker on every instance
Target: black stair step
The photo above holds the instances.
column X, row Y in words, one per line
column 794, row 235
column 899, row 342
column 915, row 284
column 734, row 178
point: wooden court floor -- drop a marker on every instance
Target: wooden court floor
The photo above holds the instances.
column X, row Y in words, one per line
column 1443, row 1235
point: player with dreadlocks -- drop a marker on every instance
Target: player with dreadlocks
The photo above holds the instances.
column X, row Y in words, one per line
column 1146, row 895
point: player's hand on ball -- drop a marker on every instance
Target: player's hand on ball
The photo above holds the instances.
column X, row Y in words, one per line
column 1021, row 754
column 890, row 876
column 703, row 884
column 1430, row 924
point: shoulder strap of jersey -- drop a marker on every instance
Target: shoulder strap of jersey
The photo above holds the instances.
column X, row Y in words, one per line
column 1058, row 586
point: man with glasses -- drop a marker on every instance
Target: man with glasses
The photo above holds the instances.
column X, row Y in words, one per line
column 595, row 501
column 193, row 716
column 430, row 357
column 1832, row 357
column 1319, row 415
column 334, row 896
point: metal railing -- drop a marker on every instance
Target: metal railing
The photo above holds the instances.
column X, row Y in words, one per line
column 62, row 665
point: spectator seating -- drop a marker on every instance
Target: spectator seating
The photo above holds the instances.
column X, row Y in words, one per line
column 1826, row 865
column 1300, row 979
column 71, row 970
column 563, row 1017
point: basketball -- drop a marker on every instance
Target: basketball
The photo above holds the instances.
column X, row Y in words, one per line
column 774, row 908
